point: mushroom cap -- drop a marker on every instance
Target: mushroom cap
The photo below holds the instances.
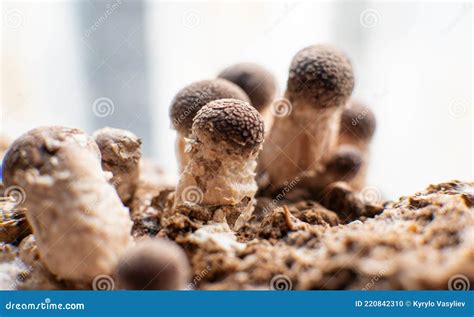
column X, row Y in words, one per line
column 154, row 264
column 232, row 121
column 322, row 76
column 345, row 163
column 117, row 145
column 193, row 97
column 358, row 121
column 34, row 148
column 259, row 84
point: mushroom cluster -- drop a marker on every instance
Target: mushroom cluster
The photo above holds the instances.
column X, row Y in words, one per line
column 232, row 145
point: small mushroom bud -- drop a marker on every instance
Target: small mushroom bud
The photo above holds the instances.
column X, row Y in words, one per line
column 358, row 125
column 190, row 100
column 344, row 165
column 154, row 264
column 79, row 222
column 257, row 82
column 319, row 84
column 120, row 150
column 227, row 135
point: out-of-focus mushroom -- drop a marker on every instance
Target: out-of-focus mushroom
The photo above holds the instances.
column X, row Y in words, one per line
column 153, row 264
column 80, row 225
column 320, row 83
column 120, row 150
column 358, row 125
column 258, row 83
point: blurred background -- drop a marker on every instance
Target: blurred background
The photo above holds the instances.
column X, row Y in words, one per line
column 119, row 63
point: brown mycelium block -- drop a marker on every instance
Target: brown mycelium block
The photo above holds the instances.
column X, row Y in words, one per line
column 189, row 100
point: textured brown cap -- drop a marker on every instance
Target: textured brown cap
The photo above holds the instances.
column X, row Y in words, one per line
column 259, row 84
column 117, row 145
column 154, row 264
column 322, row 75
column 233, row 121
column 346, row 162
column 36, row 147
column 358, row 121
column 193, row 97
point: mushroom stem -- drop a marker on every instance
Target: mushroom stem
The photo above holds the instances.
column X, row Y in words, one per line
column 120, row 150
column 78, row 220
column 219, row 180
column 301, row 141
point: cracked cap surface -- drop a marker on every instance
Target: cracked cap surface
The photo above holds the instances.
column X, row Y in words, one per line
column 193, row 97
column 233, row 121
column 34, row 148
column 321, row 75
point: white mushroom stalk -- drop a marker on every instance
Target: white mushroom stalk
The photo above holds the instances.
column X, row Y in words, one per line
column 319, row 84
column 227, row 137
column 80, row 224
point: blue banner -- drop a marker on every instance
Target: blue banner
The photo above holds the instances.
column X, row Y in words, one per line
column 237, row 303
